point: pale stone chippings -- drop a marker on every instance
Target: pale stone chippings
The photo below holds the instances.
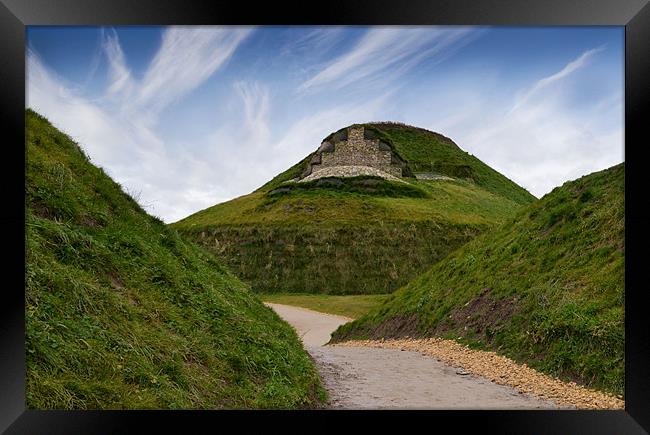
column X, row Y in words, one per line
column 500, row 370
column 349, row 171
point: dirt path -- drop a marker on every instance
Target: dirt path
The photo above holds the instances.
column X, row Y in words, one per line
column 366, row 377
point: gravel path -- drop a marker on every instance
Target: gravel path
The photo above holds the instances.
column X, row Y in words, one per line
column 375, row 378
column 501, row 370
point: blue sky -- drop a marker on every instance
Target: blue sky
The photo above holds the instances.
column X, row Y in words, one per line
column 187, row 117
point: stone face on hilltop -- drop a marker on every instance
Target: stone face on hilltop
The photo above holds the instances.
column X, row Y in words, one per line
column 352, row 152
column 349, row 171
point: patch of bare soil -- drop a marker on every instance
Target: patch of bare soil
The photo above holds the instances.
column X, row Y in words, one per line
column 116, row 281
column 483, row 315
column 500, row 370
column 398, row 326
column 394, row 327
column 90, row 222
column 41, row 210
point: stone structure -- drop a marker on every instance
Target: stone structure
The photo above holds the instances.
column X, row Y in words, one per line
column 349, row 171
column 354, row 147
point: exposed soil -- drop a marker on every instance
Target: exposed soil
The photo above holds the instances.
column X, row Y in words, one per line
column 116, row 281
column 483, row 315
column 41, row 210
column 395, row 327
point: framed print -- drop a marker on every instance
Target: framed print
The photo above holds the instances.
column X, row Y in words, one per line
column 369, row 211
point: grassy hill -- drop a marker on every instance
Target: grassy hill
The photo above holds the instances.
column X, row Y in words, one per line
column 546, row 288
column 361, row 235
column 123, row 313
column 426, row 151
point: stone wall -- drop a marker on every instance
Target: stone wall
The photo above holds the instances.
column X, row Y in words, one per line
column 356, row 151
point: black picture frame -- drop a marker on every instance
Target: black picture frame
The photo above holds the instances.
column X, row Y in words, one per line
column 15, row 15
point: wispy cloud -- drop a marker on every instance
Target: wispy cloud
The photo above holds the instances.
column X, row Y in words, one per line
column 255, row 99
column 185, row 60
column 318, row 40
column 118, row 130
column 387, row 51
column 121, row 83
column 542, row 139
column 545, row 82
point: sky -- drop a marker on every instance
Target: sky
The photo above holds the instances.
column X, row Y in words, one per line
column 188, row 117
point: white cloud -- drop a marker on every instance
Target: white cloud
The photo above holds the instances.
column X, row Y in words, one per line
column 255, row 98
column 316, row 41
column 121, row 83
column 542, row 140
column 537, row 137
column 187, row 57
column 545, row 82
column 118, row 131
column 389, row 51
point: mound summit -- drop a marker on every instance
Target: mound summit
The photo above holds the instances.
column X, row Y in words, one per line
column 371, row 208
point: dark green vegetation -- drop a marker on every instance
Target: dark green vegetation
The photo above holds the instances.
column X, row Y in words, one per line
column 367, row 185
column 547, row 288
column 352, row 306
column 122, row 313
column 358, row 235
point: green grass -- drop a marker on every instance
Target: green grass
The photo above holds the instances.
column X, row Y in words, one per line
column 455, row 202
column 352, row 306
column 122, row 313
column 364, row 184
column 329, row 240
column 546, row 288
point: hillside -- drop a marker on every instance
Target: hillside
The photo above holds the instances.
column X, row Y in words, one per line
column 356, row 235
column 546, row 288
column 121, row 313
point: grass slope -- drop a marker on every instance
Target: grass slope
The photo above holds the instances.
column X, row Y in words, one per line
column 426, row 151
column 344, row 236
column 122, row 313
column 547, row 288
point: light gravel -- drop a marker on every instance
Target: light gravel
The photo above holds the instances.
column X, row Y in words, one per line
column 364, row 376
column 503, row 371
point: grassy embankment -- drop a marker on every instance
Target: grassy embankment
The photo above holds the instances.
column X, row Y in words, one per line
column 360, row 235
column 122, row 313
column 546, row 288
